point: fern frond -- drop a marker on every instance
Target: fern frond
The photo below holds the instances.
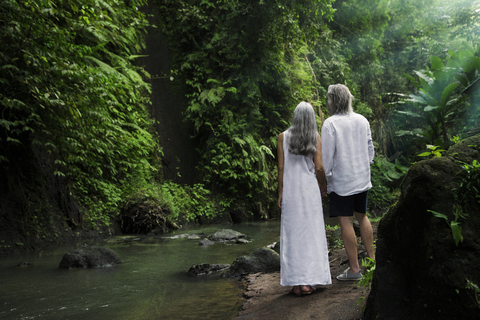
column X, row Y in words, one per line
column 104, row 67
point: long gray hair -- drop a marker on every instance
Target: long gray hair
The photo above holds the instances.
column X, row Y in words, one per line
column 303, row 131
column 339, row 99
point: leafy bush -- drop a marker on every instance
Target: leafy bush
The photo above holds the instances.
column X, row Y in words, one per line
column 170, row 203
column 384, row 177
column 192, row 203
column 70, row 89
column 469, row 187
column 245, row 67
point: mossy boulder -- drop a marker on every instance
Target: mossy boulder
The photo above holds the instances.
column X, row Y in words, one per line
column 144, row 216
column 263, row 260
column 226, row 235
column 421, row 273
column 90, row 257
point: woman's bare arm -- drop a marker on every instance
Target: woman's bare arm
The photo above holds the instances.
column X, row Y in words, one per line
column 319, row 170
column 280, row 168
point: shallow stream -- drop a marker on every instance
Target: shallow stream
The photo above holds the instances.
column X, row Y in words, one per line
column 150, row 283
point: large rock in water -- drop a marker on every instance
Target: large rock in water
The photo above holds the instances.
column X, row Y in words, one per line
column 90, row 257
column 226, row 234
column 421, row 273
column 260, row 260
column 207, row 268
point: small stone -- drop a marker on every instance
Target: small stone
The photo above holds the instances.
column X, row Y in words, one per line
column 205, row 242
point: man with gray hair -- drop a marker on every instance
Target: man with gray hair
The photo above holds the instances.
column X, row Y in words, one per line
column 347, row 153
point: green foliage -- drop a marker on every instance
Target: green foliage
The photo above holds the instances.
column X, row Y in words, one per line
column 369, row 264
column 440, row 104
column 469, row 187
column 70, row 88
column 385, row 175
column 168, row 204
column 475, row 288
column 435, row 151
column 465, row 194
column 391, row 171
column 246, row 67
column 146, row 210
column 329, row 227
column 454, row 225
column 192, row 203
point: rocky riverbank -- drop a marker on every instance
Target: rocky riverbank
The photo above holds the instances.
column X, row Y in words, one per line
column 265, row 298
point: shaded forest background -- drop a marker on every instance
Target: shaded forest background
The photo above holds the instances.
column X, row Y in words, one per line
column 79, row 135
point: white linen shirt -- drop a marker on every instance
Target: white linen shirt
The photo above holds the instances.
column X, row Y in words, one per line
column 347, row 152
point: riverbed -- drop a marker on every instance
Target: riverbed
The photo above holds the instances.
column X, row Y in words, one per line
column 150, row 283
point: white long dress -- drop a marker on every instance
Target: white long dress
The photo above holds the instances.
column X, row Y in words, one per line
column 303, row 242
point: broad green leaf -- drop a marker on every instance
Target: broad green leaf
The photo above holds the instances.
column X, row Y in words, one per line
column 59, row 173
column 417, row 99
column 6, row 124
column 425, row 77
column 447, row 93
column 427, row 97
column 438, row 215
column 436, row 63
column 424, row 154
column 457, row 232
column 409, row 113
column 401, row 133
column 231, row 89
column 16, row 141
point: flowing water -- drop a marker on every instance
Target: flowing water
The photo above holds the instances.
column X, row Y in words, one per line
column 150, row 283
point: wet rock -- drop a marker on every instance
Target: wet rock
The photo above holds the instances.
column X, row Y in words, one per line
column 226, row 234
column 242, row 241
column 178, row 236
column 90, row 257
column 24, row 264
column 141, row 215
column 275, row 247
column 206, row 268
column 260, row 260
column 420, row 271
column 205, row 242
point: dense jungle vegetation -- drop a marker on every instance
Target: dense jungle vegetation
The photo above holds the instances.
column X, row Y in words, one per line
column 77, row 140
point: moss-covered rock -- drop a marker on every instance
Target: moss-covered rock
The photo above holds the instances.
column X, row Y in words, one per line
column 90, row 257
column 421, row 273
column 260, row 260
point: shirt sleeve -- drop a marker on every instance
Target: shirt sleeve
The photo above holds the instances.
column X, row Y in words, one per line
column 371, row 148
column 328, row 149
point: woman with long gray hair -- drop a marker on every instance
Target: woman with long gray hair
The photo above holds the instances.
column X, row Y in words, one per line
column 301, row 180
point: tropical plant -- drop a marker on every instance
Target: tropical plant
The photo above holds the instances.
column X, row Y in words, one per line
column 370, row 265
column 454, row 224
column 439, row 103
column 70, row 91
column 469, row 187
column 435, row 151
column 385, row 176
column 245, row 67
column 475, row 288
column 193, row 203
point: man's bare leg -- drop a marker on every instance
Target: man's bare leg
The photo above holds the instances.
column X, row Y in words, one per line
column 350, row 242
column 366, row 233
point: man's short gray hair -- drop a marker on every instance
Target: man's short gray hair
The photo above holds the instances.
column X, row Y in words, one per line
column 339, row 99
column 303, row 131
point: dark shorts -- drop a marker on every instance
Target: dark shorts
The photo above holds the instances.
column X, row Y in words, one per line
column 345, row 206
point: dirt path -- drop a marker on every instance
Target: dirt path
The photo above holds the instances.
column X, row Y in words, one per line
column 265, row 298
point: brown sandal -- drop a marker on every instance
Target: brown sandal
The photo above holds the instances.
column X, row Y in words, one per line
column 306, row 292
column 295, row 292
